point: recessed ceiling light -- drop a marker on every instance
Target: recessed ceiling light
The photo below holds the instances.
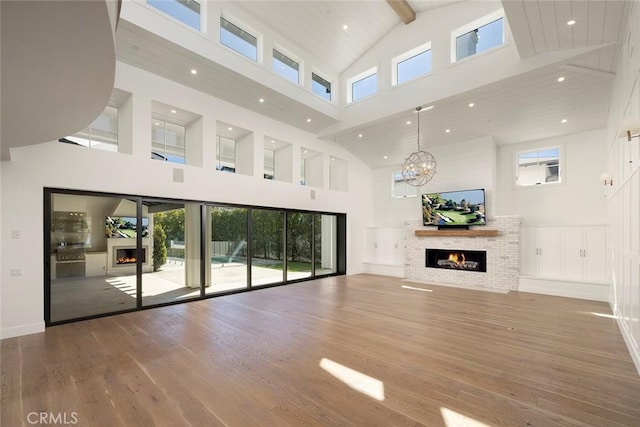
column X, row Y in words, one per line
column 333, row 159
column 308, row 120
column 157, row 124
column 272, row 141
column 194, row 71
column 561, row 78
column 447, row 130
column 386, row 157
column 471, row 104
column 430, row 107
column 345, row 27
column 173, row 111
column 360, row 135
column 229, row 128
column 408, row 122
column 305, row 151
column 571, row 22
column 261, row 100
column 563, row 121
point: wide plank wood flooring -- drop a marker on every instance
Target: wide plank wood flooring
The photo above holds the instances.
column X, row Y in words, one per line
column 443, row 357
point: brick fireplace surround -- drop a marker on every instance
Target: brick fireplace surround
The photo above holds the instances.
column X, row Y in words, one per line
column 503, row 256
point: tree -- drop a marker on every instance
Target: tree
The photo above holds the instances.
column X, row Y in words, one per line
column 159, row 247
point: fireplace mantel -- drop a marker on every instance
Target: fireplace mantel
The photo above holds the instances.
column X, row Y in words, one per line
column 456, row 233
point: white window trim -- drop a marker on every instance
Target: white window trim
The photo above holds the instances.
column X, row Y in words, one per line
column 561, row 167
column 334, row 94
column 361, row 76
column 293, row 57
column 403, row 57
column 474, row 25
column 393, row 187
column 249, row 29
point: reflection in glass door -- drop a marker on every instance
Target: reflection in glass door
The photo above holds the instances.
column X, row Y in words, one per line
column 324, row 240
column 227, row 249
column 267, row 247
column 92, row 256
column 299, row 245
column 172, row 270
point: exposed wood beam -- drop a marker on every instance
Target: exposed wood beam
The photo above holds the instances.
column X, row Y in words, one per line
column 403, row 10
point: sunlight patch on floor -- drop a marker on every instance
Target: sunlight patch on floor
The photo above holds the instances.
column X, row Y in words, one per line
column 356, row 380
column 455, row 419
column 416, row 289
column 609, row 316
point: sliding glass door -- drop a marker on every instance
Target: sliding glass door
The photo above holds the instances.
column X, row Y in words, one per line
column 110, row 253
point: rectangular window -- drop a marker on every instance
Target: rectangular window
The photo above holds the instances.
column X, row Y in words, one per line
column 238, row 39
column 185, row 11
column 412, row 64
column 488, row 33
column 321, row 87
column 537, row 167
column 363, row 85
column 286, row 67
column 102, row 133
column 168, row 141
column 225, row 154
column 400, row 188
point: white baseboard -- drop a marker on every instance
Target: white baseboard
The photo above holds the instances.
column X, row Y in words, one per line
column 561, row 288
column 634, row 351
column 384, row 269
column 16, row 331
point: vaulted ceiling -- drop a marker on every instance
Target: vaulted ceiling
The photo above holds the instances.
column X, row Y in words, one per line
column 526, row 107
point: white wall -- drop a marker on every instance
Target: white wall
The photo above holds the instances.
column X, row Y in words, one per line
column 577, row 200
column 59, row 165
column 461, row 166
column 623, row 198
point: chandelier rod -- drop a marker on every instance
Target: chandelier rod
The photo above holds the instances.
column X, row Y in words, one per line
column 418, row 110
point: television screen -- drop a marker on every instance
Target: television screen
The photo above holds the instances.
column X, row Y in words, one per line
column 454, row 208
column 125, row 227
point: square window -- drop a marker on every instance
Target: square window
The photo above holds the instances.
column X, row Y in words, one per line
column 400, row 188
column 238, row 39
column 538, row 167
column 101, row 134
column 185, row 11
column 168, row 141
column 225, row 154
column 286, row 67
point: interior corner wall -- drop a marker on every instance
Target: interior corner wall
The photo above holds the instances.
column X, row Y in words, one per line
column 623, row 197
column 582, row 162
column 466, row 165
column 57, row 165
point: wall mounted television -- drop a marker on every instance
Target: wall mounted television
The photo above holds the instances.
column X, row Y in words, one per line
column 452, row 209
column 125, row 227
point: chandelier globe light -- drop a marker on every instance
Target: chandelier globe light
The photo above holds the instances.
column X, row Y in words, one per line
column 420, row 166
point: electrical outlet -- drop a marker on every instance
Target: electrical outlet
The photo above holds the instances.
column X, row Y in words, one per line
column 15, row 234
column 16, row 272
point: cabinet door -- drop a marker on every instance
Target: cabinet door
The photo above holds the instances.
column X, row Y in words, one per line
column 573, row 262
column 595, row 247
column 529, row 251
column 549, row 255
column 372, row 245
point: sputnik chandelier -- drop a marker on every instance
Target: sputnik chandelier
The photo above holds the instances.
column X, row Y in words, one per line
column 420, row 166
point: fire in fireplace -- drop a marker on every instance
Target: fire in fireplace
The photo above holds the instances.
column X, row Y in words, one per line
column 125, row 256
column 456, row 259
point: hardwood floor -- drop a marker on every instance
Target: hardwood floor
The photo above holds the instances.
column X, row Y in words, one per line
column 355, row 350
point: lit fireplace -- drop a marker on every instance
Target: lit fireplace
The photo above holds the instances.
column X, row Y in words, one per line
column 124, row 256
column 456, row 259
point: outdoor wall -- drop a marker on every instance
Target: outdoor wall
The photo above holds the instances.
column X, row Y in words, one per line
column 462, row 166
column 58, row 165
column 578, row 200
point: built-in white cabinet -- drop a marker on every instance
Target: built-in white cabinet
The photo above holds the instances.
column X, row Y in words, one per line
column 540, row 251
column 385, row 251
column 585, row 254
column 576, row 254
